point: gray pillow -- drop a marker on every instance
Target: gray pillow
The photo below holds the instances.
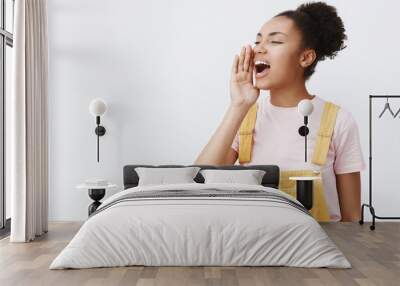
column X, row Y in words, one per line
column 162, row 176
column 249, row 177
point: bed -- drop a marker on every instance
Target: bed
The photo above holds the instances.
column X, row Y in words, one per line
column 201, row 224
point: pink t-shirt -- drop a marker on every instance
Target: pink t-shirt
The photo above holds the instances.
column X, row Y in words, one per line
column 277, row 142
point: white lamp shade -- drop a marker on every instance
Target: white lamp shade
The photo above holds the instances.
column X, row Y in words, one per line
column 305, row 107
column 97, row 107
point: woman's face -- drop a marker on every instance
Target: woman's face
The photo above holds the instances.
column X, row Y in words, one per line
column 278, row 44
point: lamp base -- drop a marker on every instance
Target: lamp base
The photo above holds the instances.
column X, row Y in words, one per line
column 304, row 193
column 96, row 195
column 100, row 130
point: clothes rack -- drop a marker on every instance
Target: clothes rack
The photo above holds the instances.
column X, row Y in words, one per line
column 369, row 205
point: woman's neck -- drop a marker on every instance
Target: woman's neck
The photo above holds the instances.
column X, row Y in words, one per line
column 289, row 96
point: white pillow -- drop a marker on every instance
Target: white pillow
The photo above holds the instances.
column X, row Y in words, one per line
column 162, row 176
column 249, row 177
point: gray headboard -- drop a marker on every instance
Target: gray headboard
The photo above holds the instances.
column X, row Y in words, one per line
column 270, row 179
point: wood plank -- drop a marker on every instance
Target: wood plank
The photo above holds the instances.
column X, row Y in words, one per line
column 374, row 255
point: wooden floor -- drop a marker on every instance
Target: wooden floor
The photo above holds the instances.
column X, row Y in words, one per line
column 375, row 257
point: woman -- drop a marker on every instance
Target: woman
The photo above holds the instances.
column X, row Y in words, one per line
column 286, row 52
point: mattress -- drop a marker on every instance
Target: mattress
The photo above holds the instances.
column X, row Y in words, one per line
column 200, row 225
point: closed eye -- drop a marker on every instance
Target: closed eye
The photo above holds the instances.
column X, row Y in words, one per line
column 275, row 42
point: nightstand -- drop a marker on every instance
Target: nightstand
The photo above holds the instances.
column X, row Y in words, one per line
column 96, row 193
column 304, row 190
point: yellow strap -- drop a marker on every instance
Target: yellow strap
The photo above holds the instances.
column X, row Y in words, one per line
column 246, row 134
column 325, row 132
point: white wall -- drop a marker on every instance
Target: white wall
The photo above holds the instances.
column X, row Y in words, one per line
column 163, row 67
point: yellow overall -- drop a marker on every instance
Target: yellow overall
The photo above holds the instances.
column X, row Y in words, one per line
column 320, row 209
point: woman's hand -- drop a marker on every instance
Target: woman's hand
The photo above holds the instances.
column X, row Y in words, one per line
column 218, row 150
column 243, row 92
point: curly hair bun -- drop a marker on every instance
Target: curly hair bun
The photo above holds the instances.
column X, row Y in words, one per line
column 327, row 26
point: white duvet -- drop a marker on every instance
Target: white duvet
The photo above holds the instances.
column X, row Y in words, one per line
column 200, row 231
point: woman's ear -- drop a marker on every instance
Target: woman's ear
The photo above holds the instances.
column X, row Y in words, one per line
column 307, row 57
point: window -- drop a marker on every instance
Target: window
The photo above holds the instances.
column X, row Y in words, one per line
column 6, row 44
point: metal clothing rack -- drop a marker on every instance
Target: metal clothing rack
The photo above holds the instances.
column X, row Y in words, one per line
column 369, row 205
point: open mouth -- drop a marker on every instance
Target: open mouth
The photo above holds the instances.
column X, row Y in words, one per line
column 261, row 68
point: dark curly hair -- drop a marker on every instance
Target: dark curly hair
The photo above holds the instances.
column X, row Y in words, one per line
column 322, row 30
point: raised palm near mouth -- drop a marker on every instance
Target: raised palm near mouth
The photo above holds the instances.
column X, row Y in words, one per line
column 242, row 89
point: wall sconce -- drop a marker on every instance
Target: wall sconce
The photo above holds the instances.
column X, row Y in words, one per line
column 97, row 108
column 305, row 108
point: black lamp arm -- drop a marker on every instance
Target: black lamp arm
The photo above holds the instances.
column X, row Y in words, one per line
column 100, row 131
column 303, row 131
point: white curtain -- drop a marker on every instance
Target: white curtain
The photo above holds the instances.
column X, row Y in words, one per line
column 28, row 157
